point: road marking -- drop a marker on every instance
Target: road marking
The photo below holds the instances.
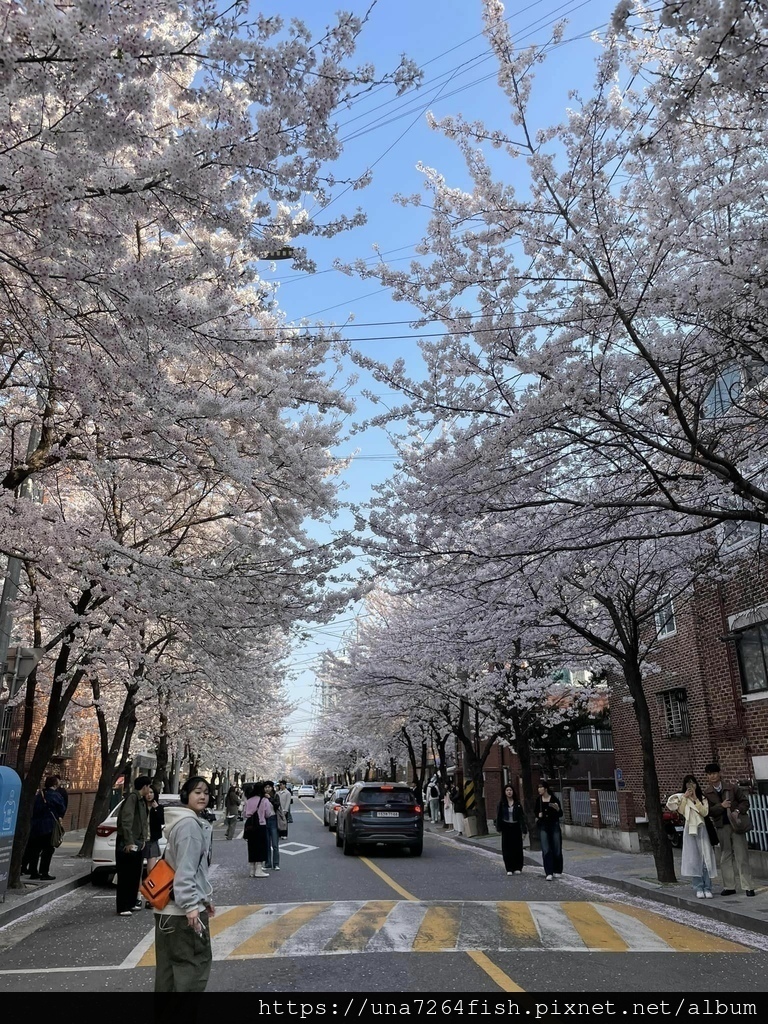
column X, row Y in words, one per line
column 390, row 926
column 477, row 928
column 390, row 881
column 272, row 937
column 302, row 848
column 495, row 973
column 594, row 929
column 356, row 932
column 439, row 930
column 681, row 937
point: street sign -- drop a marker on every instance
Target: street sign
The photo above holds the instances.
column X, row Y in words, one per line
column 21, row 661
column 10, row 792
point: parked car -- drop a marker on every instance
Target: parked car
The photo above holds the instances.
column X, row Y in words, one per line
column 329, row 792
column 380, row 812
column 306, row 790
column 103, row 865
column 333, row 806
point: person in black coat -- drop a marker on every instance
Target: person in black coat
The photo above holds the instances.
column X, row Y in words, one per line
column 47, row 810
column 548, row 814
column 510, row 822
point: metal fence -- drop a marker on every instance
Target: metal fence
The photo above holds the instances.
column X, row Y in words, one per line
column 758, row 812
column 581, row 811
column 609, row 807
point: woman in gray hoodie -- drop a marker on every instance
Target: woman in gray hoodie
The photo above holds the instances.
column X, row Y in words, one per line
column 182, row 938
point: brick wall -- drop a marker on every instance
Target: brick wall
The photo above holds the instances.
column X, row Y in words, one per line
column 697, row 659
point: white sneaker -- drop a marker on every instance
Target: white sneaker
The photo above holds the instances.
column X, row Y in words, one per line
column 709, row 895
column 510, row 872
column 277, row 867
column 700, row 894
column 549, row 878
column 261, row 874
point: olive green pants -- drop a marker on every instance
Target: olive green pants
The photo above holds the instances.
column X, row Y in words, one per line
column 183, row 957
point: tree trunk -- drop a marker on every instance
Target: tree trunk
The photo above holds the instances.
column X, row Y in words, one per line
column 474, row 759
column 523, row 750
column 109, row 756
column 660, row 845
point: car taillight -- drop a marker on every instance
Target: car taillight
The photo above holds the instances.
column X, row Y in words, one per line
column 106, row 830
column 354, row 808
column 386, row 788
column 337, row 807
column 417, row 810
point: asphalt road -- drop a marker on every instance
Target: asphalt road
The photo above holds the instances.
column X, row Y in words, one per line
column 450, row 921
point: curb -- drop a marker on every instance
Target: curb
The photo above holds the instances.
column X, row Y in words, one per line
column 34, row 901
column 749, row 924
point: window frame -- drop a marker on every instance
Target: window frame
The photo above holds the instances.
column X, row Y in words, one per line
column 662, row 624
column 670, row 702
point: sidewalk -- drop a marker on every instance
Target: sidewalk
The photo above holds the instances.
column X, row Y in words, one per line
column 68, row 871
column 635, row 873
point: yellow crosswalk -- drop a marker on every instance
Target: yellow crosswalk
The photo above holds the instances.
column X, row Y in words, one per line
column 355, row 926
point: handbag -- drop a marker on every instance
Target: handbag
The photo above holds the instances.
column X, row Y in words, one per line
column 57, row 836
column 740, row 822
column 157, row 887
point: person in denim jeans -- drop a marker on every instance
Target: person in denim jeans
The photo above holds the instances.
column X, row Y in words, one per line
column 548, row 814
column 273, row 836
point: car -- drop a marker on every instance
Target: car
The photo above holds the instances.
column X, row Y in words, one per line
column 103, row 865
column 306, row 790
column 333, row 806
column 329, row 792
column 386, row 813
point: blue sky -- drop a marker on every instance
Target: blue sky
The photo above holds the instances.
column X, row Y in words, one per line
column 391, row 136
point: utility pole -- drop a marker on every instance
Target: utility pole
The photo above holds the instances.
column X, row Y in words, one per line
column 24, row 658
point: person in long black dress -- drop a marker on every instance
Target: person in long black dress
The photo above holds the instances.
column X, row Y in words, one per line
column 510, row 822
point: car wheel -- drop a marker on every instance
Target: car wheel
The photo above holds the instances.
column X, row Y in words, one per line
column 339, row 839
column 349, row 848
column 417, row 848
column 332, row 828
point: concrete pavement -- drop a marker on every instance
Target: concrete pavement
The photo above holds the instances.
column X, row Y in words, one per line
column 68, row 871
column 635, row 873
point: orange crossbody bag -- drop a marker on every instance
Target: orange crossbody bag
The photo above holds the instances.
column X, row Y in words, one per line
column 157, row 887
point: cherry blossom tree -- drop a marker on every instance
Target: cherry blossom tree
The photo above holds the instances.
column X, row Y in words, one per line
column 150, row 392
column 601, row 289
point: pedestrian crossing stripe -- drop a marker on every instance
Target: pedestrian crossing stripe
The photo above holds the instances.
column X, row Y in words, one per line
column 394, row 926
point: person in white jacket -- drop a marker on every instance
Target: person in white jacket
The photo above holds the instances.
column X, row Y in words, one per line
column 698, row 861
column 182, row 938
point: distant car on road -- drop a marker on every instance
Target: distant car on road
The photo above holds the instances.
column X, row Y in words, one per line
column 333, row 806
column 380, row 812
column 306, row 790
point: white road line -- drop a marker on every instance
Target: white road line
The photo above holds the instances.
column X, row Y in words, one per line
column 228, row 941
column 138, row 951
column 554, row 927
column 399, row 930
column 638, row 936
column 316, row 933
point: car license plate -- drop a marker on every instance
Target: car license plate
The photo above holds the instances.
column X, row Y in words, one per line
column 387, row 814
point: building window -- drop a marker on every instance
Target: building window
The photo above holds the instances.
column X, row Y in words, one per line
column 725, row 393
column 595, row 737
column 666, row 624
column 675, row 706
column 752, row 649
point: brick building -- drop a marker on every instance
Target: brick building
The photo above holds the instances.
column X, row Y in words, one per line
column 709, row 701
column 76, row 759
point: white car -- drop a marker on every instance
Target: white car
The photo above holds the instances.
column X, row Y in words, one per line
column 306, row 790
column 103, row 865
